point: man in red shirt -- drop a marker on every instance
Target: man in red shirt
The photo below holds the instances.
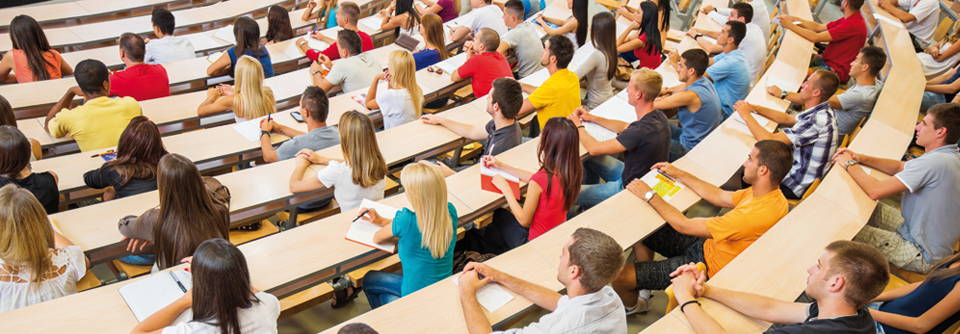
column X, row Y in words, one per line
column 347, row 16
column 484, row 64
column 139, row 80
column 846, row 36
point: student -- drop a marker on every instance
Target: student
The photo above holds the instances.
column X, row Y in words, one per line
column 402, row 100
column 663, row 10
column 279, row 27
column 812, row 133
column 426, row 237
column 559, row 95
column 484, row 15
column 522, row 38
column 446, row 9
column 166, row 48
column 7, row 117
column 939, row 58
column 347, row 16
column 189, row 213
column 924, row 230
column 846, row 36
column 353, row 71
column 551, row 191
column 920, row 17
column 222, row 298
column 247, row 33
column 714, row 241
column 325, row 12
column 753, row 45
column 31, row 58
column 100, row 120
column 248, row 100
column 350, row 185
column 314, row 108
column 643, row 142
column 404, row 18
column 569, row 28
column 138, row 80
column 601, row 66
column 134, row 170
column 357, row 328
column 761, row 17
column 434, row 43
column 589, row 261
column 31, row 245
column 15, row 169
column 483, row 63
column 929, row 306
column 730, row 70
column 502, row 132
column 641, row 40
column 698, row 105
column 841, row 283
column 941, row 89
column 856, row 103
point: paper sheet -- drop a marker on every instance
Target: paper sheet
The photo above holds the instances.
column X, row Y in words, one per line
column 664, row 187
column 452, row 63
column 782, row 84
column 777, row 21
column 615, row 109
column 148, row 295
column 669, row 75
column 488, row 171
column 371, row 22
column 250, row 129
column 213, row 57
column 760, row 119
column 718, row 18
column 556, row 12
column 226, row 34
column 491, row 296
column 362, row 231
column 709, row 39
column 537, row 78
column 896, row 23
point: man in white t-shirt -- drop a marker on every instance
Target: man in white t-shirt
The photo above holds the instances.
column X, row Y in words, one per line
column 761, row 17
column 354, row 70
column 920, row 17
column 484, row 15
column 166, row 47
column 753, row 45
column 522, row 38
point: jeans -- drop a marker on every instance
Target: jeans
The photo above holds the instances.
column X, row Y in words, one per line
column 139, row 260
column 677, row 150
column 817, row 63
column 629, row 56
column 931, row 99
column 604, row 167
column 381, row 287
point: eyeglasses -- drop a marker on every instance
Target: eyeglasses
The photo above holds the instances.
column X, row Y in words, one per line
column 437, row 70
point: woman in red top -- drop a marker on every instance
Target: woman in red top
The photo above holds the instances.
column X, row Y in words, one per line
column 32, row 58
column 641, row 40
column 551, row 191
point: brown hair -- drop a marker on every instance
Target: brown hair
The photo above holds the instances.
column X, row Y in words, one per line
column 935, row 274
column 14, row 152
column 247, row 33
column 358, row 144
column 188, row 214
column 947, row 115
column 25, row 233
column 599, row 257
column 7, row 117
column 351, row 10
column 26, row 35
column 875, row 58
column 776, row 156
column 507, row 94
column 139, row 151
column 278, row 24
column 433, row 26
column 559, row 155
column 827, row 83
column 221, row 285
column 864, row 270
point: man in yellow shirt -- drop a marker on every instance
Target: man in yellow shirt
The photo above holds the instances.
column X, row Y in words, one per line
column 715, row 241
column 559, row 96
column 97, row 123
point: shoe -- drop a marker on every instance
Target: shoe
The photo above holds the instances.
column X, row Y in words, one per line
column 644, row 304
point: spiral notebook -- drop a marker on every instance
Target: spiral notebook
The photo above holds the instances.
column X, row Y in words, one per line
column 148, row 295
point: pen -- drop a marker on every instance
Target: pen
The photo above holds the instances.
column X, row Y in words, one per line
column 360, row 216
column 175, row 279
column 492, row 145
column 666, row 176
column 268, row 117
column 100, row 154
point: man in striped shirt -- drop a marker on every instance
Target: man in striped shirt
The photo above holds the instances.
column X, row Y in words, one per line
column 812, row 133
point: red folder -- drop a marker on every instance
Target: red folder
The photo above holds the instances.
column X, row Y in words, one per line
column 486, row 181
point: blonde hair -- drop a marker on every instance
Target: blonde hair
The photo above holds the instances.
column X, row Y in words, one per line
column 647, row 81
column 252, row 98
column 321, row 18
column 403, row 75
column 358, row 142
column 952, row 38
column 427, row 192
column 26, row 236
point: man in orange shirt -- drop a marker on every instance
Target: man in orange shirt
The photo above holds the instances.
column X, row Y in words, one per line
column 715, row 241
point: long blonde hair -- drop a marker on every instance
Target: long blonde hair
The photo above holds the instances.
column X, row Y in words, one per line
column 252, row 98
column 25, row 233
column 952, row 38
column 322, row 17
column 358, row 142
column 427, row 192
column 403, row 75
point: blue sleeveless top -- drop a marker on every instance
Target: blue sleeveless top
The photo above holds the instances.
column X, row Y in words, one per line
column 263, row 58
column 697, row 125
column 921, row 300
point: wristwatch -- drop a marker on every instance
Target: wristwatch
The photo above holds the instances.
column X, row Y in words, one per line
column 581, row 126
column 649, row 195
column 849, row 163
column 783, row 94
column 264, row 133
column 698, row 35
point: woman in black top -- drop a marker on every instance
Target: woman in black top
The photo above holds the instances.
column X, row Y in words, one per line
column 15, row 168
column 134, row 171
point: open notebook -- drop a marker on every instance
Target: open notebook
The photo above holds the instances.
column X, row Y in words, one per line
column 362, row 231
column 148, row 295
column 486, row 180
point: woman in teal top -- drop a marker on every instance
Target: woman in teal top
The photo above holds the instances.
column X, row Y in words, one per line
column 326, row 14
column 425, row 236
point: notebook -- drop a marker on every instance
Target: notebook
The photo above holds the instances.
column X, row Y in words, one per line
column 226, row 34
column 486, row 180
column 148, row 295
column 250, row 129
column 362, row 231
column 212, row 58
column 452, row 63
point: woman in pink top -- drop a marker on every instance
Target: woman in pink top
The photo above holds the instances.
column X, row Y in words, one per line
column 31, row 58
column 551, row 191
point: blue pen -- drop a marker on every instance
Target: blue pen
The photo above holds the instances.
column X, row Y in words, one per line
column 175, row 279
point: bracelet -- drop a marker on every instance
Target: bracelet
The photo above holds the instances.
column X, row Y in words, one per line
column 264, row 133
column 688, row 303
column 581, row 126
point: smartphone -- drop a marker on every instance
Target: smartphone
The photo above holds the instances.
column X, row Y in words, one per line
column 296, row 116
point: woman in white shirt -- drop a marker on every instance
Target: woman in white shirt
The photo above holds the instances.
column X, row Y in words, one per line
column 221, row 281
column 360, row 176
column 249, row 99
column 940, row 57
column 601, row 66
column 402, row 101
column 30, row 245
column 402, row 17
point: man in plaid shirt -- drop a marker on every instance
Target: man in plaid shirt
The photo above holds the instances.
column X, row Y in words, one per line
column 812, row 133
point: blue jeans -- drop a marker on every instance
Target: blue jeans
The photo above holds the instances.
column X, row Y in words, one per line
column 629, row 56
column 381, row 287
column 605, row 168
column 139, row 260
column 876, row 306
column 817, row 63
column 931, row 99
column 677, row 150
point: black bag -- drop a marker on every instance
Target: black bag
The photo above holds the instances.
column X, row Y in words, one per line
column 467, row 257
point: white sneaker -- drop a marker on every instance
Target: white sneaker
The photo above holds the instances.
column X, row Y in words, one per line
column 643, row 303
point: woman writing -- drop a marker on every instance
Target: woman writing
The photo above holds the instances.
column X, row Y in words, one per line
column 572, row 27
column 134, row 170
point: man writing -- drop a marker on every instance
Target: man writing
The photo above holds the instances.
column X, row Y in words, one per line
column 314, row 108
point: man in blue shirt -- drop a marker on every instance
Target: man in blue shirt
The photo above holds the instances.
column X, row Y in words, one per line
column 729, row 70
column 695, row 102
